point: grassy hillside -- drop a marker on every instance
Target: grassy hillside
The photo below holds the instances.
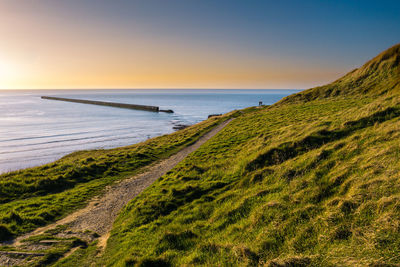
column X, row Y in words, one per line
column 311, row 180
column 36, row 196
column 378, row 76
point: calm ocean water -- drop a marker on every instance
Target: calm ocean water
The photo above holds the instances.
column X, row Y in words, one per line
column 34, row 131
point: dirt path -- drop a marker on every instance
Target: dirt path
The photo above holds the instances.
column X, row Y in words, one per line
column 99, row 215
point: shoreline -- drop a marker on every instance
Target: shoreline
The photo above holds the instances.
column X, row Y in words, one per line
column 103, row 128
column 176, row 127
column 180, row 126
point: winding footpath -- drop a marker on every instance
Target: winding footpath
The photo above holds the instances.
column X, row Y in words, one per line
column 98, row 216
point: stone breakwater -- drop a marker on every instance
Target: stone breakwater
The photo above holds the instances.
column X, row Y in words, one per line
column 110, row 104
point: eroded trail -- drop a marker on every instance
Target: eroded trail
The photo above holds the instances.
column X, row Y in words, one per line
column 96, row 219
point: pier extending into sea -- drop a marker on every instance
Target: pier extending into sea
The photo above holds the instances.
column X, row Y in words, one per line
column 110, row 104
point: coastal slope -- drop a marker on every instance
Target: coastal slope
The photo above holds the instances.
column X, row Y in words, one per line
column 105, row 179
column 378, row 76
column 311, row 180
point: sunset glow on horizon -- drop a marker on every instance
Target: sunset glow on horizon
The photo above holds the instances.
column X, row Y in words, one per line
column 184, row 44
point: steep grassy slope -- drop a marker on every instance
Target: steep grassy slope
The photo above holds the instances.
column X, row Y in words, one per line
column 36, row 196
column 378, row 76
column 314, row 179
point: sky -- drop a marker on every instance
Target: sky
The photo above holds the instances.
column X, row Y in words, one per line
column 287, row 44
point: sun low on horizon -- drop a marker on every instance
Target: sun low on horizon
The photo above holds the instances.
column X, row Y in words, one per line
column 199, row 133
column 178, row 44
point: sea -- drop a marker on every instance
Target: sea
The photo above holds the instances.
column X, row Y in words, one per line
column 35, row 131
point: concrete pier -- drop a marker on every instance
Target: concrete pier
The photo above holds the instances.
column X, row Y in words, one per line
column 110, row 104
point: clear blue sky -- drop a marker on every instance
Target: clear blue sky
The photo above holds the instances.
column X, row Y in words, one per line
column 188, row 43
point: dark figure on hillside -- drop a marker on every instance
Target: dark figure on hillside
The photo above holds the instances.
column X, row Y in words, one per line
column 259, row 103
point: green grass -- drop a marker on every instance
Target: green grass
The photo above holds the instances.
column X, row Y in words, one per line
column 81, row 257
column 36, row 196
column 308, row 181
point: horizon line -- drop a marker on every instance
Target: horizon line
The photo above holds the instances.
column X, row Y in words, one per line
column 15, row 89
